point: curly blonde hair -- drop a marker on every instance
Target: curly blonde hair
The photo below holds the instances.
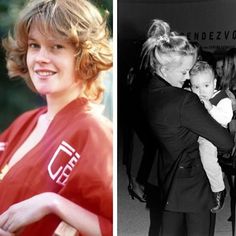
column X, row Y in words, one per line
column 80, row 22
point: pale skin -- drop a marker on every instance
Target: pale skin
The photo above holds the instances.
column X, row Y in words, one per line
column 35, row 208
column 204, row 84
column 177, row 72
column 56, row 80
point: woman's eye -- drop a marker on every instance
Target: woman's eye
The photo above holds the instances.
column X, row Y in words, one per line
column 57, row 46
column 33, row 45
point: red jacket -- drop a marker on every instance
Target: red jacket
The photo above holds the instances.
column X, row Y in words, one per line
column 74, row 159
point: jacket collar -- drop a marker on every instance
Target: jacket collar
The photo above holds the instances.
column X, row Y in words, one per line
column 157, row 81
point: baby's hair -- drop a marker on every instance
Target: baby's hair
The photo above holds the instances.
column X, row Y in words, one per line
column 162, row 45
column 201, row 66
column 77, row 21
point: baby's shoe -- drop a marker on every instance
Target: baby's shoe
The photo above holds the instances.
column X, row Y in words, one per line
column 219, row 198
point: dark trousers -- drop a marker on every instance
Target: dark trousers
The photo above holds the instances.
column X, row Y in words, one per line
column 154, row 205
column 188, row 224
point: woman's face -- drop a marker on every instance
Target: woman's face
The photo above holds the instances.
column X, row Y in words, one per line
column 51, row 64
column 219, row 68
column 178, row 73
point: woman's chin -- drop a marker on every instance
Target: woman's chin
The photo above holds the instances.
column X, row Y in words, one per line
column 43, row 92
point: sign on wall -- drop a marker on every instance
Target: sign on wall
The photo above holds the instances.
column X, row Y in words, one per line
column 211, row 23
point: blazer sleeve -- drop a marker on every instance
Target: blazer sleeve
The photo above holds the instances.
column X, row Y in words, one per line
column 195, row 117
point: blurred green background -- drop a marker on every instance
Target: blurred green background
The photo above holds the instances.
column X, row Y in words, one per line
column 15, row 96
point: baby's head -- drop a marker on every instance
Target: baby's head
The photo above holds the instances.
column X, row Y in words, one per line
column 202, row 79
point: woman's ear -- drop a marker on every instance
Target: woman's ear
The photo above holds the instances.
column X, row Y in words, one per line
column 162, row 71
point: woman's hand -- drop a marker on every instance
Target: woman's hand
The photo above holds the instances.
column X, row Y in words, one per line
column 4, row 233
column 24, row 213
column 136, row 190
column 16, row 217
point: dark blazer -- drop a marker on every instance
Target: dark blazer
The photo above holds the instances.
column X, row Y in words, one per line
column 138, row 124
column 177, row 118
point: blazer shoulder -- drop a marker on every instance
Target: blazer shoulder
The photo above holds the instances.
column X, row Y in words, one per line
column 183, row 95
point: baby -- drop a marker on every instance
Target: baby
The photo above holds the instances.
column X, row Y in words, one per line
column 219, row 106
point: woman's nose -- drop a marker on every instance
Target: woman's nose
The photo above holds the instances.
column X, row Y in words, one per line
column 43, row 56
column 187, row 76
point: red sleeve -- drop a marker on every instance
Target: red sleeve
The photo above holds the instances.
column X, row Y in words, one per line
column 105, row 226
column 90, row 182
column 3, row 141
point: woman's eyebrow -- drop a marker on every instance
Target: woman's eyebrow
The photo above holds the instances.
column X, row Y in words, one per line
column 31, row 38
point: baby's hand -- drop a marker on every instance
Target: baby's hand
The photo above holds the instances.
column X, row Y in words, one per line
column 206, row 103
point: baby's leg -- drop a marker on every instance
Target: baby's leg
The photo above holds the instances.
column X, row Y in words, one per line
column 208, row 153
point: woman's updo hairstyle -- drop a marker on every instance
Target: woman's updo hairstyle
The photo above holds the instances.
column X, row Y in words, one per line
column 162, row 46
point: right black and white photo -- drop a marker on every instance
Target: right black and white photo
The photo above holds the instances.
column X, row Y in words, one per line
column 176, row 117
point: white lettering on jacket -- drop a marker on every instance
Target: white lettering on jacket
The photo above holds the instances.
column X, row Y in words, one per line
column 62, row 163
column 2, row 146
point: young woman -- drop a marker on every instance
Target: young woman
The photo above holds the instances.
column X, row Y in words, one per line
column 56, row 161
